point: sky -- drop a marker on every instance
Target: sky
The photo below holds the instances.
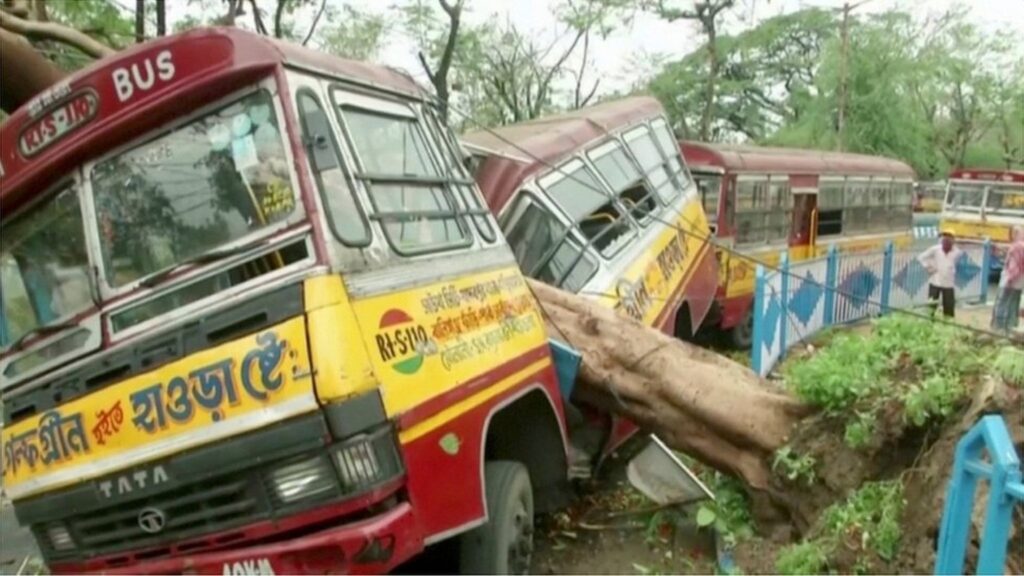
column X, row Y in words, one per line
column 626, row 56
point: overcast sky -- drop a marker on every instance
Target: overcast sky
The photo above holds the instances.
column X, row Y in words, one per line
column 620, row 60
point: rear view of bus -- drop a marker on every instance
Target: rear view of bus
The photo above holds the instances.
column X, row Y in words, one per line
column 984, row 204
column 257, row 320
column 598, row 202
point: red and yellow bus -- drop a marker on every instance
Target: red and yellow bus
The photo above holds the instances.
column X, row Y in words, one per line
column 762, row 201
column 984, row 204
column 256, row 319
column 598, row 201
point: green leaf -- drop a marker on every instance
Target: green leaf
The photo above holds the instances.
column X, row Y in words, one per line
column 705, row 517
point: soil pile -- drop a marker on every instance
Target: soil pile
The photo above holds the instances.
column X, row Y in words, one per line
column 863, row 482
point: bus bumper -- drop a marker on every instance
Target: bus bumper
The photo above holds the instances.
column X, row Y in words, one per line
column 372, row 546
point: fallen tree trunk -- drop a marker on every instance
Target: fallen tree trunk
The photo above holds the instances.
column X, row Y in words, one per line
column 698, row 402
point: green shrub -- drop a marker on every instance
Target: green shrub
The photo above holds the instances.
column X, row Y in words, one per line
column 803, row 558
column 1009, row 365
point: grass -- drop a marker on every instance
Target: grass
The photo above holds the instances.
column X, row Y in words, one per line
column 1009, row 365
column 868, row 519
column 729, row 513
column 915, row 364
column 793, row 466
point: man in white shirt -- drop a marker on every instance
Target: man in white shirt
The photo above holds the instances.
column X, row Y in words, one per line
column 940, row 262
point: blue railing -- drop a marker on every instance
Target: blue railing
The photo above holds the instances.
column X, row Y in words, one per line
column 989, row 437
column 796, row 300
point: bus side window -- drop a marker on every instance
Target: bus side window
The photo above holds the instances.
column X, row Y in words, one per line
column 344, row 214
column 625, row 180
column 645, row 150
column 856, row 206
column 533, row 237
column 830, row 208
column 901, row 211
column 763, row 211
column 881, row 209
column 588, row 205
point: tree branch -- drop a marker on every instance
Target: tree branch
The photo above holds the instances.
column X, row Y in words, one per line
column 545, row 82
column 257, row 19
column 56, row 32
column 278, row 14
column 316, row 20
column 426, row 67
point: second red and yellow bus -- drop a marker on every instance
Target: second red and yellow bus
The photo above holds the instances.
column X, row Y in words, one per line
column 763, row 201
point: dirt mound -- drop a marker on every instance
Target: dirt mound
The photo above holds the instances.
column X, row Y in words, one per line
column 863, row 483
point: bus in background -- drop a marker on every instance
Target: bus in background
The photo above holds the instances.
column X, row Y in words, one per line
column 762, row 201
column 257, row 320
column 928, row 197
column 984, row 204
column 599, row 202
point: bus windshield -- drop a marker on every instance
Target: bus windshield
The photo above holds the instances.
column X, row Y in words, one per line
column 43, row 267
column 996, row 198
column 709, row 185
column 1005, row 199
column 209, row 182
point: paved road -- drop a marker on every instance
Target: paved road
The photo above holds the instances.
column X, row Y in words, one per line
column 15, row 542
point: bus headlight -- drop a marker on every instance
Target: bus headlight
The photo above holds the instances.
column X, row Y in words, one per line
column 301, row 480
column 59, row 537
column 367, row 460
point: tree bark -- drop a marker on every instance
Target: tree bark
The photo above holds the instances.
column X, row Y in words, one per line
column 26, row 72
column 140, row 21
column 697, row 401
column 53, row 31
column 161, row 18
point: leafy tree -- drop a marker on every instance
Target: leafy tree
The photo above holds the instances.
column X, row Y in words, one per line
column 354, row 34
column 767, row 78
column 706, row 13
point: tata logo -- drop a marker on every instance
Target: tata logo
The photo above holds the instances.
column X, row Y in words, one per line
column 133, row 483
column 401, row 342
column 152, row 520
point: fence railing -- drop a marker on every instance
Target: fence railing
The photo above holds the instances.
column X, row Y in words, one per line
column 798, row 299
column 986, row 452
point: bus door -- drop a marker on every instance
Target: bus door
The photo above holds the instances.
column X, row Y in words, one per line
column 804, row 230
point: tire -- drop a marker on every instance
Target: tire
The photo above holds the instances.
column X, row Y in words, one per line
column 504, row 545
column 742, row 334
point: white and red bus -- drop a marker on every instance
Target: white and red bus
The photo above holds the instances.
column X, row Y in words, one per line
column 984, row 204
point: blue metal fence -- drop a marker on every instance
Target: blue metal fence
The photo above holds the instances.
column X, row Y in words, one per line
column 797, row 299
column 986, row 452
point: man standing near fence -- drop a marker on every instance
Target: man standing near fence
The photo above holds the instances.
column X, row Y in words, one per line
column 940, row 262
column 1011, row 283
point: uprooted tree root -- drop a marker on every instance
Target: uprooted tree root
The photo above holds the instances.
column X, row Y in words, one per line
column 920, row 460
column 806, row 480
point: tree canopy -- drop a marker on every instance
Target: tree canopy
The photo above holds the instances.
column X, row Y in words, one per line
column 937, row 93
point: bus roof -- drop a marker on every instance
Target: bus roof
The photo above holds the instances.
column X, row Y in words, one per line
column 743, row 158
column 143, row 87
column 987, row 175
column 519, row 151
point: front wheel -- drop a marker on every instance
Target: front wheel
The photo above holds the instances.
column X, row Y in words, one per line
column 742, row 334
column 504, row 545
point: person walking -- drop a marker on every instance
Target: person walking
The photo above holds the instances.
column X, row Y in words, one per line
column 1005, row 314
column 940, row 262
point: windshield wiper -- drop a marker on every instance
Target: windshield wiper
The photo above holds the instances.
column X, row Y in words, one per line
column 44, row 330
column 204, row 258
